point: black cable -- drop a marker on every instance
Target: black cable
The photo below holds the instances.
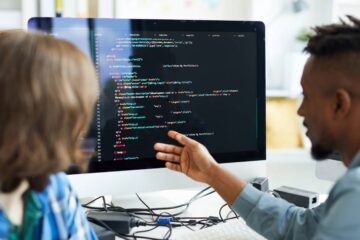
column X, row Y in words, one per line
column 103, row 224
column 192, row 221
column 232, row 211
column 175, row 222
column 227, row 217
column 209, row 221
column 142, row 231
column 187, row 225
column 147, row 206
column 221, row 208
column 168, row 233
column 141, row 237
column 123, row 236
column 142, row 211
column 195, row 197
column 186, row 205
column 86, row 205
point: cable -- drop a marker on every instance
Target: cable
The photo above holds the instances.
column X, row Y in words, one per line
column 122, row 236
column 186, row 205
column 221, row 208
column 163, row 219
column 148, row 211
column 168, row 233
column 103, row 224
column 86, row 205
column 142, row 231
column 232, row 211
column 151, row 211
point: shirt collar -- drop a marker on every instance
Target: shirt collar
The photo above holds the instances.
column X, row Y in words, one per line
column 356, row 161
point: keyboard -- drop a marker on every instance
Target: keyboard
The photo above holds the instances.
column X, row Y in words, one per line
column 230, row 230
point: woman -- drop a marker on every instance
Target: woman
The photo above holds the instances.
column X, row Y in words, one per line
column 48, row 90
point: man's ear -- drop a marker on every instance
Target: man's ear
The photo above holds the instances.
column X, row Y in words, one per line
column 342, row 103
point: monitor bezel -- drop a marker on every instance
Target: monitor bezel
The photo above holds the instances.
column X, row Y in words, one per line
column 45, row 23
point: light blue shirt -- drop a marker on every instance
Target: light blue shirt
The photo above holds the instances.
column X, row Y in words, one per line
column 337, row 218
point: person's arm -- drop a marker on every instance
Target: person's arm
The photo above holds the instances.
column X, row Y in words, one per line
column 271, row 217
column 276, row 218
column 194, row 160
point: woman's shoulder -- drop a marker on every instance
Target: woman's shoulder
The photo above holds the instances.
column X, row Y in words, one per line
column 58, row 189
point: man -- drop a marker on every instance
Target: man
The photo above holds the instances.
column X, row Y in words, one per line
column 331, row 111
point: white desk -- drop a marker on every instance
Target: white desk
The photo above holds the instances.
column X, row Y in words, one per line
column 292, row 167
column 204, row 207
column 295, row 168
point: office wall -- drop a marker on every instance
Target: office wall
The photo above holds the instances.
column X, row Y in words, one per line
column 283, row 24
column 183, row 9
column 284, row 59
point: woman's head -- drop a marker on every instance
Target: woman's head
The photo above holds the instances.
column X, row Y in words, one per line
column 48, row 90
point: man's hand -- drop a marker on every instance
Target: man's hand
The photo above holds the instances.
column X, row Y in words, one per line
column 193, row 159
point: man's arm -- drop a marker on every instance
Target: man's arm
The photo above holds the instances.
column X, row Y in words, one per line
column 276, row 218
column 269, row 216
column 194, row 160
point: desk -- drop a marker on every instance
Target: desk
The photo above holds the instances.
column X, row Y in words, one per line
column 293, row 167
column 204, row 207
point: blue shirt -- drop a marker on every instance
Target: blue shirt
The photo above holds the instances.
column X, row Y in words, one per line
column 62, row 216
column 337, row 218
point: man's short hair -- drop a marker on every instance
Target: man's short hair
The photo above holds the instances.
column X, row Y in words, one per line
column 335, row 38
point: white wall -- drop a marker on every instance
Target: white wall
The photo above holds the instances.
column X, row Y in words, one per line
column 183, row 9
column 284, row 53
column 284, row 58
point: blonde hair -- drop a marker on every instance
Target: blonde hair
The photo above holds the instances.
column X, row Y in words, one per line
column 48, row 89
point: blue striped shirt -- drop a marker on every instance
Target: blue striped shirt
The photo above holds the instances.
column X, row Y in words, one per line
column 62, row 217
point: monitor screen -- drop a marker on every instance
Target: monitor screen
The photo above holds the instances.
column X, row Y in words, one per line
column 205, row 79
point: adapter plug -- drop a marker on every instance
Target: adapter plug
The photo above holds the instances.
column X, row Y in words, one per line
column 101, row 232
column 119, row 222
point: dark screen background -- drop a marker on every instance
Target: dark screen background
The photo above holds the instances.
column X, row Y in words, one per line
column 202, row 83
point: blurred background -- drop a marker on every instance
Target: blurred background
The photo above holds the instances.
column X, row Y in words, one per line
column 287, row 23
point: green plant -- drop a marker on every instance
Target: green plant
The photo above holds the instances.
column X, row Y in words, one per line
column 305, row 34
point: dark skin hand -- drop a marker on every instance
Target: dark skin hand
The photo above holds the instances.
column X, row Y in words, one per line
column 194, row 160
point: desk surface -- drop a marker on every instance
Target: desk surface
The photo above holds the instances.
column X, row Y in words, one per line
column 204, row 207
column 293, row 168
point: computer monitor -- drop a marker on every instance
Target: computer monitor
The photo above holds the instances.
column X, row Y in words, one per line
column 205, row 79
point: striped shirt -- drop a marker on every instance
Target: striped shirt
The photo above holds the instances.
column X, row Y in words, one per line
column 62, row 216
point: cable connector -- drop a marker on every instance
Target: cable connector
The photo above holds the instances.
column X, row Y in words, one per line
column 192, row 222
column 214, row 219
column 164, row 220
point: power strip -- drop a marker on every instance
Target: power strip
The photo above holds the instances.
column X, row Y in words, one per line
column 299, row 197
